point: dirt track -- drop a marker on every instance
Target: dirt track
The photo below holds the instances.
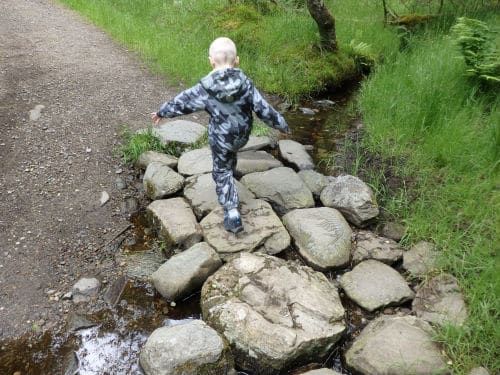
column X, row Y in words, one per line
column 53, row 170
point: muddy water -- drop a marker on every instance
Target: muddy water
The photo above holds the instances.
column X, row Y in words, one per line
column 111, row 342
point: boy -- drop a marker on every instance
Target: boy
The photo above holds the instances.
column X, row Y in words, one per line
column 229, row 97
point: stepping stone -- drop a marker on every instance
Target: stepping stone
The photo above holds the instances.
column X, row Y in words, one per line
column 189, row 348
column 396, row 345
column 256, row 143
column 262, row 231
column 372, row 284
column 420, row 259
column 440, row 301
column 371, row 246
column 200, row 192
column 186, row 272
column 275, row 314
column 181, row 131
column 255, row 161
column 197, row 161
column 295, row 153
column 322, row 236
column 161, row 181
column 282, row 187
column 175, row 222
column 479, row 371
column 315, row 181
column 352, row 197
column 148, row 157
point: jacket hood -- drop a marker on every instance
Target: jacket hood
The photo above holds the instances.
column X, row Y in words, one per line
column 226, row 85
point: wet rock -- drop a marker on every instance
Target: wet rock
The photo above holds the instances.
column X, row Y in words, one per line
column 161, row 181
column 324, row 103
column 372, row 284
column 256, row 143
column 175, row 222
column 199, row 191
column 263, row 230
column 440, row 301
column 85, row 288
column 197, row 161
column 115, row 289
column 271, row 324
column 307, row 111
column 394, row 231
column 371, row 246
column 282, row 187
column 315, row 181
column 148, row 157
column 420, row 259
column 255, row 161
column 295, row 153
column 181, row 131
column 479, row 371
column 190, row 348
column 186, row 272
column 352, row 197
column 321, row 371
column 78, row 321
column 70, row 364
column 322, row 236
column 395, row 345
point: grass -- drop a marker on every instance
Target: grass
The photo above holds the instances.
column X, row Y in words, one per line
column 422, row 109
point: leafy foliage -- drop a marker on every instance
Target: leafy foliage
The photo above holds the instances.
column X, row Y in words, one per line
column 477, row 44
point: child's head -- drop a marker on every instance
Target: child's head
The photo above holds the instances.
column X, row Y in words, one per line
column 222, row 53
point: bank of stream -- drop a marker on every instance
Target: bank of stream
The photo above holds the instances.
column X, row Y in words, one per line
column 109, row 341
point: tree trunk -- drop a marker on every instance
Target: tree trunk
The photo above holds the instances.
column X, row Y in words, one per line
column 325, row 22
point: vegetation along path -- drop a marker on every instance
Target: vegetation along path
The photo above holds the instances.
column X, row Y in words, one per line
column 65, row 89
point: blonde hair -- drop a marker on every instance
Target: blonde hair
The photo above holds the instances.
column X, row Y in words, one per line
column 222, row 52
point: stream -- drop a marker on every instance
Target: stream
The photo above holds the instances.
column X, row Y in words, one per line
column 109, row 341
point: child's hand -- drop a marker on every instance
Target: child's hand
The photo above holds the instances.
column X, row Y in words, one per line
column 156, row 119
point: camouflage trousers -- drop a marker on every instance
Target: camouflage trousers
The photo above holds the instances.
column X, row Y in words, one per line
column 224, row 155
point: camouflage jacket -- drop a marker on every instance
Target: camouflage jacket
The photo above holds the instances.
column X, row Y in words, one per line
column 229, row 97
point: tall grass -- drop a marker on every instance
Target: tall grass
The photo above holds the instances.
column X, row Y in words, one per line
column 421, row 108
column 276, row 48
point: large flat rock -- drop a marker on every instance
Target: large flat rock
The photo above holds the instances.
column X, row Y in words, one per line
column 275, row 314
column 296, row 154
column 255, row 161
column 281, row 187
column 263, row 230
column 189, row 348
column 150, row 156
column 322, row 236
column 199, row 191
column 197, row 161
column 396, row 345
column 175, row 222
column 373, row 284
column 181, row 131
column 352, row 197
column 420, row 259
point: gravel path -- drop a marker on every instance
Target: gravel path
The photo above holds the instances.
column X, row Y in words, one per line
column 53, row 169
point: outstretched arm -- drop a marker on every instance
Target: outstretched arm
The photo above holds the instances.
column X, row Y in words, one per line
column 268, row 114
column 188, row 101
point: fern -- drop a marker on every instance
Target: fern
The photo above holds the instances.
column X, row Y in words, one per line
column 477, row 44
